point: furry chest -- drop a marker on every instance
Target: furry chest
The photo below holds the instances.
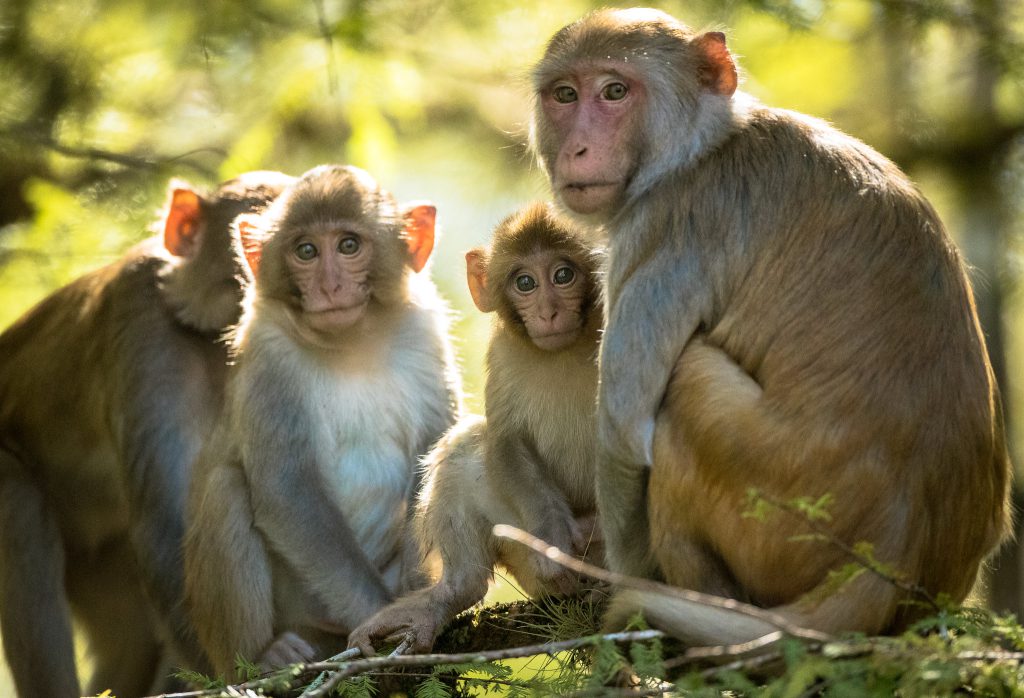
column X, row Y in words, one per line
column 366, row 438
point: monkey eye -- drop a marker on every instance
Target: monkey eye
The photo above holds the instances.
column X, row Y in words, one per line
column 306, row 251
column 564, row 94
column 564, row 276
column 525, row 283
column 349, row 245
column 614, row 91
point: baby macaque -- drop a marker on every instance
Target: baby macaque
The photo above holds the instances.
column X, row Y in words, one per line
column 530, row 464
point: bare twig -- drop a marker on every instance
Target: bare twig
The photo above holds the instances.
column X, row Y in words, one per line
column 327, row 36
column 334, row 678
column 137, row 162
column 348, row 654
column 645, row 585
column 347, row 668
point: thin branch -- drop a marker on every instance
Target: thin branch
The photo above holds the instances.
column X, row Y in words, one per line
column 334, row 678
column 325, row 34
column 137, row 162
column 348, row 654
column 646, row 585
column 347, row 669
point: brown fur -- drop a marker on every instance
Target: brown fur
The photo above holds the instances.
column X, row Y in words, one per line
column 530, row 462
column 108, row 386
column 299, row 506
column 785, row 312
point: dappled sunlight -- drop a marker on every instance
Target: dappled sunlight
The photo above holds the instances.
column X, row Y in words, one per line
column 105, row 102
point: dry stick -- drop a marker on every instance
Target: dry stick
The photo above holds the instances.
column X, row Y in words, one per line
column 346, row 669
column 362, row 666
column 351, row 653
column 334, row 678
column 646, row 585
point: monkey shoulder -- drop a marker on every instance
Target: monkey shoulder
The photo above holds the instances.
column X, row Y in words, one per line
column 779, row 155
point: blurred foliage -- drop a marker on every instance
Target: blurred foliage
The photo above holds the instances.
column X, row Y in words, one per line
column 105, row 100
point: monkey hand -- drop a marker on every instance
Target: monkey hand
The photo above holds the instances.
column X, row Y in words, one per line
column 552, row 578
column 587, row 540
column 415, row 616
column 287, row 648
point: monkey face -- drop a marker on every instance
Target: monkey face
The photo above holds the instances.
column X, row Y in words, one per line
column 330, row 269
column 586, row 142
column 547, row 292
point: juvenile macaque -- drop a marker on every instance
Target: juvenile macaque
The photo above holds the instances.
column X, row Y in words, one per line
column 785, row 312
column 107, row 387
column 531, row 463
column 343, row 378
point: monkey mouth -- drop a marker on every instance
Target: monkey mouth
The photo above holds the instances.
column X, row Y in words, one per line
column 583, row 187
column 335, row 317
column 554, row 341
column 590, row 197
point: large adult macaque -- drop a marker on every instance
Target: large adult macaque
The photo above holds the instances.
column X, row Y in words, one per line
column 343, row 378
column 106, row 390
column 530, row 463
column 785, row 312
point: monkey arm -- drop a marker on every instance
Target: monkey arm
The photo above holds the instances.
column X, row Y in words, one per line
column 228, row 580
column 454, row 520
column 160, row 441
column 518, row 478
column 646, row 332
column 516, row 475
column 304, row 525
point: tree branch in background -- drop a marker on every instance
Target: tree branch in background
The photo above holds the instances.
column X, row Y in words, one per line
column 137, row 162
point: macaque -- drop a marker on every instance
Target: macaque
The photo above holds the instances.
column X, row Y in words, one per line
column 785, row 312
column 107, row 388
column 530, row 463
column 343, row 377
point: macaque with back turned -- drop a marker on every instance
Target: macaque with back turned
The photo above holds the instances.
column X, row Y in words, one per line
column 107, row 389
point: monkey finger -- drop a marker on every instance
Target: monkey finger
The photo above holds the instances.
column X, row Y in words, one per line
column 421, row 638
column 287, row 648
column 361, row 641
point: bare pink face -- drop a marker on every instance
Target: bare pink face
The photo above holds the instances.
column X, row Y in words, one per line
column 330, row 268
column 591, row 113
column 548, row 293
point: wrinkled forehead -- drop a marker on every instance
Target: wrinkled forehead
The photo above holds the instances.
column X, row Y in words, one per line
column 636, row 35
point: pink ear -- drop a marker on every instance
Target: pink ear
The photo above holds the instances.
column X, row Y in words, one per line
column 252, row 242
column 418, row 230
column 476, row 278
column 718, row 72
column 181, row 227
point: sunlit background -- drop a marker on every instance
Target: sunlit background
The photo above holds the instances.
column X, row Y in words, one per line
column 102, row 102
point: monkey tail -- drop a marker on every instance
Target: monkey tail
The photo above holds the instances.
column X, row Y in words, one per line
column 869, row 604
column 694, row 617
column 693, row 622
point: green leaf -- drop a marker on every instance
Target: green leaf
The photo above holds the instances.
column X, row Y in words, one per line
column 433, row 687
column 246, row 670
column 648, row 659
